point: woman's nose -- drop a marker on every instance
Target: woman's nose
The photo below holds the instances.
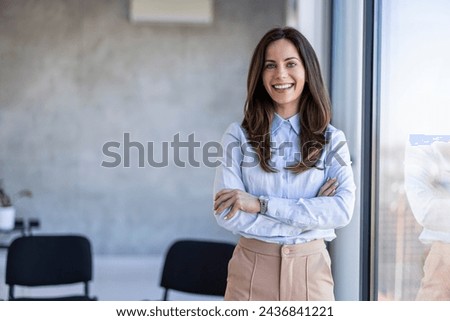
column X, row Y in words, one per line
column 282, row 72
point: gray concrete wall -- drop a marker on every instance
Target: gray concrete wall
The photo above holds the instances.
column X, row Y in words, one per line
column 77, row 74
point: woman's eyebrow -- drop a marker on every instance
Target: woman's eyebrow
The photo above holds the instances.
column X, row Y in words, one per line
column 290, row 58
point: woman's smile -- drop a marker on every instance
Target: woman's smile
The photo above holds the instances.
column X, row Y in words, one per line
column 282, row 87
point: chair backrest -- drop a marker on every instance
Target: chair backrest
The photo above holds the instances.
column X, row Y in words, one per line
column 49, row 260
column 195, row 266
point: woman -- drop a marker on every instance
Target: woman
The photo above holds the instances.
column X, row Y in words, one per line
column 285, row 182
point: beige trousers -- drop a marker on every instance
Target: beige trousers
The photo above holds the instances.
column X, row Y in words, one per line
column 435, row 284
column 260, row 271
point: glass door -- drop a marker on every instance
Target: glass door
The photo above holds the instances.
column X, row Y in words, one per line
column 413, row 150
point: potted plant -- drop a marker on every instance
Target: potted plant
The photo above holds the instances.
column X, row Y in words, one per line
column 7, row 210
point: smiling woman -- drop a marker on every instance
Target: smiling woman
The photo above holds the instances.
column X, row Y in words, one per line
column 287, row 206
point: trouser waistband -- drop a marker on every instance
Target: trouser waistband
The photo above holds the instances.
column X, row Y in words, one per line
column 274, row 249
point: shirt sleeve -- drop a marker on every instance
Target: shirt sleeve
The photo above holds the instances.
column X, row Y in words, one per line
column 427, row 195
column 327, row 212
column 229, row 175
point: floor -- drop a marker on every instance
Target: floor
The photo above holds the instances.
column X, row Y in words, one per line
column 116, row 278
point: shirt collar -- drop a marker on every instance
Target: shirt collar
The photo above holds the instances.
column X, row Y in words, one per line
column 294, row 121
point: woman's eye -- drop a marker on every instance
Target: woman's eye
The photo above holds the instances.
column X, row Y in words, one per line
column 291, row 64
column 270, row 66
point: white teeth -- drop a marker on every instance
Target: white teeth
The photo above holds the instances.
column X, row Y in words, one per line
column 286, row 86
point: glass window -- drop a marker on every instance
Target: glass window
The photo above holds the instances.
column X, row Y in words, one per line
column 413, row 165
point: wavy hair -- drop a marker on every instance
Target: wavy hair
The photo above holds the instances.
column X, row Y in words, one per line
column 314, row 104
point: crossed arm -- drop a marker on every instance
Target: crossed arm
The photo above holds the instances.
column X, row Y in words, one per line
column 239, row 200
column 238, row 211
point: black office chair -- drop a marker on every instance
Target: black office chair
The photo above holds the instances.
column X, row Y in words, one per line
column 198, row 267
column 49, row 260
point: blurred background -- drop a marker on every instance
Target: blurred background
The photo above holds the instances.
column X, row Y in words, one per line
column 78, row 74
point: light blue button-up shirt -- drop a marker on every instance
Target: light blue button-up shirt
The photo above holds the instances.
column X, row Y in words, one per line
column 295, row 213
column 427, row 185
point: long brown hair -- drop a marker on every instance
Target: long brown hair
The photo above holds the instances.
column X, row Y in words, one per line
column 314, row 105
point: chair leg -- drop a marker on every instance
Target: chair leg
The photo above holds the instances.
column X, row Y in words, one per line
column 11, row 293
column 165, row 294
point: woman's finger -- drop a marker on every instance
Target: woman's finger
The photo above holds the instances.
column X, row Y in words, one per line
column 226, row 200
column 222, row 198
column 327, row 188
column 221, row 192
column 232, row 212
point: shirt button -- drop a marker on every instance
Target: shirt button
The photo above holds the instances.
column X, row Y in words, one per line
column 286, row 251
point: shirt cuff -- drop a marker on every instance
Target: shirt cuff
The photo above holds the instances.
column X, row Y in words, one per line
column 279, row 206
column 287, row 211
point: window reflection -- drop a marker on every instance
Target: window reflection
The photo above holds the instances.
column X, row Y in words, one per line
column 414, row 151
column 427, row 185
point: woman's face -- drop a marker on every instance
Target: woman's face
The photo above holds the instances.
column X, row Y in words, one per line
column 284, row 76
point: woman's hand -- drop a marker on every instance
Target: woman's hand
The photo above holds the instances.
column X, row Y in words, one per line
column 329, row 188
column 237, row 200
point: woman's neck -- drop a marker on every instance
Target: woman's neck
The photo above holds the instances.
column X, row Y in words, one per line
column 285, row 112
